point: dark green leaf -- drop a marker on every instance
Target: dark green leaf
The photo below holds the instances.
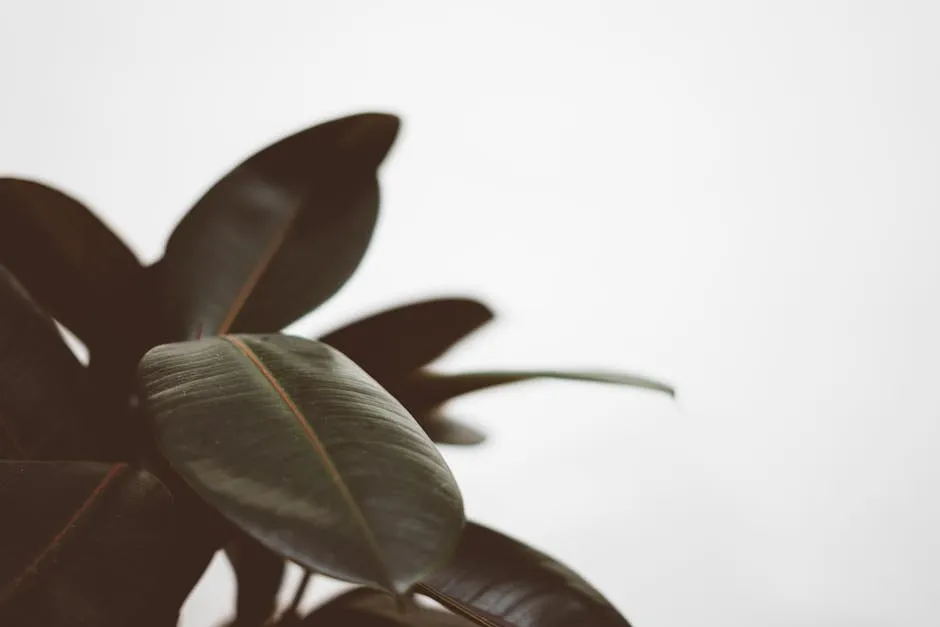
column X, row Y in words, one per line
column 279, row 234
column 45, row 411
column 426, row 391
column 300, row 448
column 70, row 261
column 368, row 608
column 495, row 580
column 444, row 430
column 397, row 341
column 259, row 574
column 83, row 542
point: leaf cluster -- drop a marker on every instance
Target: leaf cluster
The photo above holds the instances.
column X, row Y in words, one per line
column 198, row 425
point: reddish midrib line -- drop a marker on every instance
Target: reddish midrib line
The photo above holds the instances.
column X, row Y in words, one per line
column 458, row 607
column 59, row 537
column 249, row 285
column 315, row 441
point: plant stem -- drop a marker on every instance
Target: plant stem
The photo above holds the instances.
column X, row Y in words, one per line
column 299, row 594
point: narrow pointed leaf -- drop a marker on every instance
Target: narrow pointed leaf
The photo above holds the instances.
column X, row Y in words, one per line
column 302, row 450
column 397, row 341
column 279, row 234
column 68, row 259
column 83, row 542
column 427, row 390
column 367, row 608
column 259, row 574
column 495, row 580
column 45, row 411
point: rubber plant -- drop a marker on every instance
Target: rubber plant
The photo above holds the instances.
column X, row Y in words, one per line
column 197, row 425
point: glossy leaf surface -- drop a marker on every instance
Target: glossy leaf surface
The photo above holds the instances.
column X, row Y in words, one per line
column 45, row 411
column 495, row 580
column 83, row 542
column 279, row 234
column 299, row 447
column 398, row 341
column 368, row 608
column 70, row 261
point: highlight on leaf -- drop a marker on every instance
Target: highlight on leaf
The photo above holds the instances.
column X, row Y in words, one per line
column 273, row 431
column 279, row 234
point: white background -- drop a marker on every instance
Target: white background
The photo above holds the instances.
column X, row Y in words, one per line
column 739, row 197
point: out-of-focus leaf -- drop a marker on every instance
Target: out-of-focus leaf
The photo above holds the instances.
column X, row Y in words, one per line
column 83, row 542
column 367, row 608
column 398, row 341
column 259, row 574
column 444, row 430
column 279, row 234
column 495, row 580
column 426, row 391
column 301, row 449
column 78, row 269
column 45, row 410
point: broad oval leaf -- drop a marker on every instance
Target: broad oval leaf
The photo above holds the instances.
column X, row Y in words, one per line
column 45, row 409
column 68, row 259
column 398, row 341
column 495, row 580
column 299, row 447
column 84, row 542
column 427, row 391
column 367, row 608
column 279, row 234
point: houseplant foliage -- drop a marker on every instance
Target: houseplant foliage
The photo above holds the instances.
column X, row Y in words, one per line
column 199, row 426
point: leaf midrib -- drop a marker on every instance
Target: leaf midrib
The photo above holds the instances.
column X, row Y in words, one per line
column 321, row 451
column 57, row 540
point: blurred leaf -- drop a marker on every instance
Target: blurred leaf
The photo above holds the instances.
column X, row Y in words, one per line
column 426, row 391
column 496, row 580
column 69, row 260
column 301, row 449
column 259, row 574
column 279, row 234
column 367, row 608
column 45, row 410
column 397, row 341
column 444, row 430
column 83, row 542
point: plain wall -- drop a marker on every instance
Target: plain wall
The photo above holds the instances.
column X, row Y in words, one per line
column 739, row 197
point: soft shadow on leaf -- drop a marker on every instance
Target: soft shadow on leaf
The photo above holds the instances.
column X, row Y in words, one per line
column 396, row 342
column 496, row 580
column 301, row 449
column 368, row 608
column 279, row 234
column 46, row 411
column 71, row 262
column 90, row 540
